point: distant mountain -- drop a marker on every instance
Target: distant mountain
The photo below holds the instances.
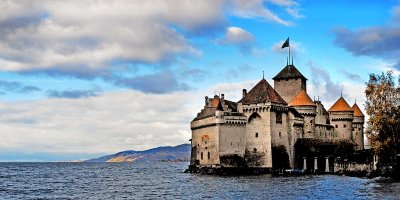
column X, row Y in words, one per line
column 167, row 153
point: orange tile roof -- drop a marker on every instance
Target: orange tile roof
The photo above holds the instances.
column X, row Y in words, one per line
column 340, row 105
column 301, row 99
column 214, row 102
column 357, row 111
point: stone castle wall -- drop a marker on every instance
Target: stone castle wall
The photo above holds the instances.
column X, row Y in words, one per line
column 358, row 130
column 258, row 151
column 324, row 131
column 232, row 144
column 321, row 116
column 343, row 123
column 288, row 88
column 205, row 140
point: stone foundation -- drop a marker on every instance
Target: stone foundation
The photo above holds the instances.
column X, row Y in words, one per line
column 218, row 170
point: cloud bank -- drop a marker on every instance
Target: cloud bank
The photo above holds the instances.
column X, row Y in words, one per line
column 381, row 41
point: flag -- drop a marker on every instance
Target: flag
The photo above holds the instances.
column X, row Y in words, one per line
column 286, row 44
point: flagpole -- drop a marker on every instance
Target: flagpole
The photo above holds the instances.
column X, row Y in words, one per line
column 289, row 53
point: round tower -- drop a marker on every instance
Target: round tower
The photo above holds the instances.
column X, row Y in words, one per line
column 358, row 127
column 306, row 107
column 341, row 117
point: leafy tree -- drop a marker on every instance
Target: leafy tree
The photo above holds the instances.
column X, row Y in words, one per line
column 383, row 108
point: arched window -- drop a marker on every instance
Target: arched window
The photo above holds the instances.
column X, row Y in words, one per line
column 208, row 155
column 256, row 135
column 254, row 116
column 280, row 134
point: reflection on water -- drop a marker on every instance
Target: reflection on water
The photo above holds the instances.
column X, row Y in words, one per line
column 166, row 181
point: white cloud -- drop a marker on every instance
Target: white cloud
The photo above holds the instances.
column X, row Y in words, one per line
column 108, row 123
column 69, row 35
column 255, row 8
column 294, row 12
column 283, row 2
column 237, row 36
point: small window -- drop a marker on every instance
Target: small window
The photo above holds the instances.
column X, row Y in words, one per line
column 280, row 134
column 344, row 125
column 256, row 135
column 353, row 129
column 311, row 121
column 206, row 147
column 201, row 155
column 209, row 156
column 231, row 143
column 255, row 150
column 336, row 126
column 359, row 129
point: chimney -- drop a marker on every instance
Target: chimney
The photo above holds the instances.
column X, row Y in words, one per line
column 222, row 97
column 244, row 92
column 206, row 100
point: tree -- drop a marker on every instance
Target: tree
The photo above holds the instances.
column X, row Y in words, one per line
column 383, row 108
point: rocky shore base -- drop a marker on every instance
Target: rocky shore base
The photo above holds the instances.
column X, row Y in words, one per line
column 388, row 171
column 218, row 170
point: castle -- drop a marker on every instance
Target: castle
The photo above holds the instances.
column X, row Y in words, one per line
column 278, row 127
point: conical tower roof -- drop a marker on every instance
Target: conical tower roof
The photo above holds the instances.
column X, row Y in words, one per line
column 301, row 99
column 290, row 71
column 340, row 105
column 262, row 93
column 357, row 111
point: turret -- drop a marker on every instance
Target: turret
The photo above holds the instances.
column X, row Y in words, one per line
column 322, row 116
column 341, row 117
column 306, row 107
column 358, row 127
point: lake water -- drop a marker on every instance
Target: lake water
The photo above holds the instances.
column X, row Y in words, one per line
column 167, row 181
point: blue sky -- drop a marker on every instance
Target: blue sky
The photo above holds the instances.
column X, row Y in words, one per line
column 84, row 78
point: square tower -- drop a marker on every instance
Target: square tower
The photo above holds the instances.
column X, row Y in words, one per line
column 289, row 82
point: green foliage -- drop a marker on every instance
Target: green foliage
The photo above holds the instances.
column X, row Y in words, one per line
column 383, row 108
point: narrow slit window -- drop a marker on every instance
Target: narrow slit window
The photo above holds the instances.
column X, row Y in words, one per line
column 279, row 118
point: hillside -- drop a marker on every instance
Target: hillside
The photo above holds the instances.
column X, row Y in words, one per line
column 166, row 153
